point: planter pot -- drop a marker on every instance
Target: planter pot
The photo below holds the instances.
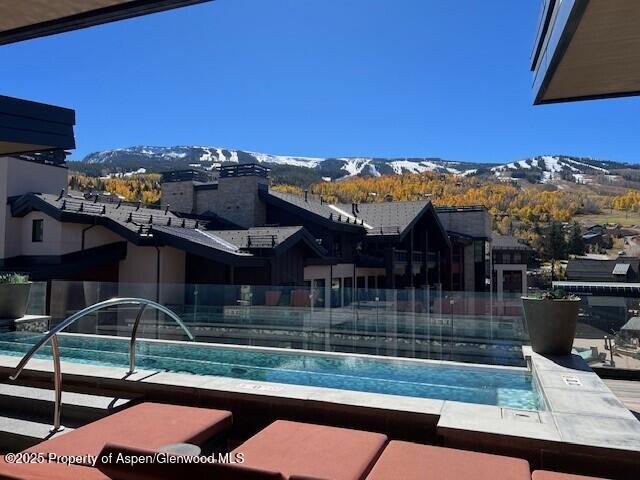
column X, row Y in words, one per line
column 551, row 324
column 271, row 298
column 13, row 300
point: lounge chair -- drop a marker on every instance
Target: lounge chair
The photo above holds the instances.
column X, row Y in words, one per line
column 47, row 471
column 175, row 471
column 545, row 475
column 313, row 451
column 147, row 425
column 412, row 461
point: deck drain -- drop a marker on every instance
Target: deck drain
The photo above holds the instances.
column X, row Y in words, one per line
column 520, row 415
column 572, row 381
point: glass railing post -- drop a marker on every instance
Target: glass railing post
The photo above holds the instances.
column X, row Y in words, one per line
column 377, row 325
column 451, row 307
column 195, row 304
column 413, row 321
column 428, row 309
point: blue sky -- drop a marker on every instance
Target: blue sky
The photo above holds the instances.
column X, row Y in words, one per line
column 320, row 78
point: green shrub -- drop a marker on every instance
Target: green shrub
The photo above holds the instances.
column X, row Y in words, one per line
column 555, row 294
column 13, row 279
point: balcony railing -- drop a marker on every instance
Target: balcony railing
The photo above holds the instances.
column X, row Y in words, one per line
column 418, row 322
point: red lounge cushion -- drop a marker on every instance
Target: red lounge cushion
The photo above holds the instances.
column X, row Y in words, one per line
column 316, row 451
column 47, row 471
column 544, row 475
column 304, row 477
column 147, row 425
column 412, row 461
column 174, row 471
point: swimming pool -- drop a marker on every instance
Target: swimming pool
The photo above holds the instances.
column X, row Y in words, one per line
column 503, row 387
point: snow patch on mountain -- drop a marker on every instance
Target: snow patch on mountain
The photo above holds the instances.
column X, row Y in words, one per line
column 401, row 166
column 600, row 169
column 308, row 162
column 354, row 166
column 550, row 168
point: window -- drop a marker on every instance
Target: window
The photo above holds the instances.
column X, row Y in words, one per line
column 37, row 230
column 478, row 251
column 512, row 282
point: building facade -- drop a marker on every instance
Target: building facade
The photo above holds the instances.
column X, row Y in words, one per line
column 511, row 256
column 232, row 227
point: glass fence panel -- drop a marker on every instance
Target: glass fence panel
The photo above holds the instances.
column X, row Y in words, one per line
column 37, row 304
column 423, row 323
column 608, row 331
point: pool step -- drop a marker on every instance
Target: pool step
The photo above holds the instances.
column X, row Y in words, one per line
column 38, row 404
column 20, row 432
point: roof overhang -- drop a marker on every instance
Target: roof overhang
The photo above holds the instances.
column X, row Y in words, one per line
column 304, row 237
column 195, row 248
column 57, row 266
column 27, row 126
column 587, row 49
column 29, row 202
column 27, row 19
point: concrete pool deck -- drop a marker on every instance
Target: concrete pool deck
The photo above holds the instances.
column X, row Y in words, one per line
column 583, row 422
column 581, row 409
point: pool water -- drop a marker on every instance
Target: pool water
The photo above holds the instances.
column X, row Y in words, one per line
column 491, row 386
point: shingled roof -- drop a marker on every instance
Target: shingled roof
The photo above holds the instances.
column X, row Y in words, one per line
column 130, row 220
column 149, row 226
column 508, row 242
column 473, row 222
column 587, row 269
column 239, row 243
column 376, row 219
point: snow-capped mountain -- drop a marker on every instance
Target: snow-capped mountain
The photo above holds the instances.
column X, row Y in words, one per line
column 548, row 168
column 301, row 169
column 163, row 158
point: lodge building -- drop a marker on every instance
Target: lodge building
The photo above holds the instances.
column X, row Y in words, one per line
column 233, row 227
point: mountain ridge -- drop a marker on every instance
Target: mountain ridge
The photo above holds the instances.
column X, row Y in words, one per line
column 306, row 170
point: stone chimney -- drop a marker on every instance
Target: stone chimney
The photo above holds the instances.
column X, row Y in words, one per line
column 178, row 189
column 235, row 196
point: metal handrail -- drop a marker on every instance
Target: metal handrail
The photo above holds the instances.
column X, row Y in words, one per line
column 55, row 351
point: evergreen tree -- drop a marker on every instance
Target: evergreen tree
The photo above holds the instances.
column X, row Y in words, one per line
column 555, row 245
column 576, row 242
